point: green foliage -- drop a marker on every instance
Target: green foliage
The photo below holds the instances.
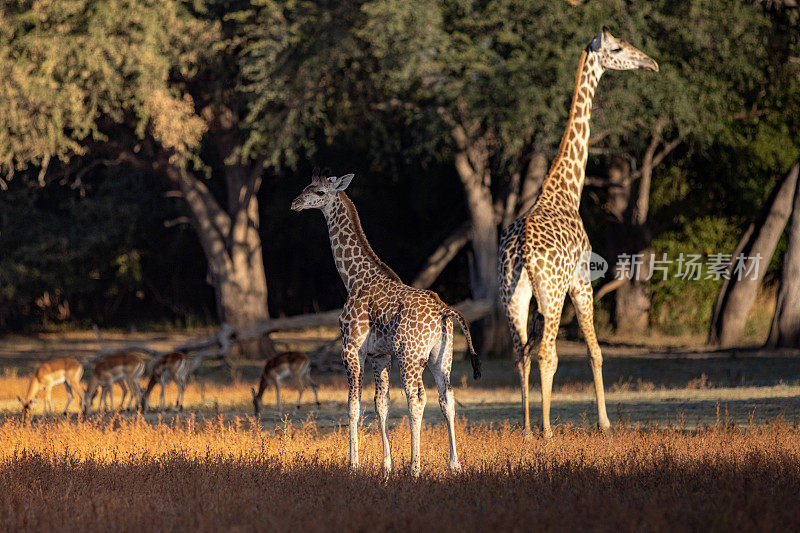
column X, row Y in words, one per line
column 509, row 65
column 375, row 86
column 73, row 64
column 98, row 253
column 686, row 304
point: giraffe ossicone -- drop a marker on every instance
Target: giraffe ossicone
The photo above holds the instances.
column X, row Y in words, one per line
column 383, row 317
column 542, row 250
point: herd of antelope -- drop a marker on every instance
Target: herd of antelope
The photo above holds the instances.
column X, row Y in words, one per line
column 127, row 369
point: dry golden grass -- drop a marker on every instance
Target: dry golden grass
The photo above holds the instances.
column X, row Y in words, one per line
column 129, row 475
column 217, row 469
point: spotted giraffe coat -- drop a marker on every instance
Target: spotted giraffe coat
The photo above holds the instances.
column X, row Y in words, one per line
column 541, row 251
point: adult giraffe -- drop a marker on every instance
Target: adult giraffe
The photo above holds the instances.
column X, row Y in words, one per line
column 540, row 251
column 383, row 317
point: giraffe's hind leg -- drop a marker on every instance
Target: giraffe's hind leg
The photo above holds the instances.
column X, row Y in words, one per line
column 411, row 364
column 515, row 295
column 380, row 367
column 582, row 298
column 440, row 361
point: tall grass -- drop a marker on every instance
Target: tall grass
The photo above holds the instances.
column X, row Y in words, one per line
column 204, row 475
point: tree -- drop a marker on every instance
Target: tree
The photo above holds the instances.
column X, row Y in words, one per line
column 785, row 329
column 737, row 295
column 487, row 87
column 151, row 85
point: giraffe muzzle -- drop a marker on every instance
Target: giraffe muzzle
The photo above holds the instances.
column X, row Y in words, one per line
column 648, row 64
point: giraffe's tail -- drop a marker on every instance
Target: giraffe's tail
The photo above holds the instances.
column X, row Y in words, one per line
column 474, row 358
column 537, row 328
column 535, row 339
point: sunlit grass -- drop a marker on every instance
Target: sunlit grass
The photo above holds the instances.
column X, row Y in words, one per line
column 214, row 474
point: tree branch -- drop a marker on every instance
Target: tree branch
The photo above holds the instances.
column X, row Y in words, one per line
column 442, row 256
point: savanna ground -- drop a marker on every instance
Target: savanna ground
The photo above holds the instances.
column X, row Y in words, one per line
column 700, row 440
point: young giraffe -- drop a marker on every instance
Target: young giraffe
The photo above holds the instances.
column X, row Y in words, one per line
column 384, row 317
column 540, row 251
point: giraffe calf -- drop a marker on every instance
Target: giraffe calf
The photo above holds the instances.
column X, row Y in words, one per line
column 384, row 317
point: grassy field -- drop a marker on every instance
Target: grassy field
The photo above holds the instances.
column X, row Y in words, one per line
column 210, row 475
column 700, row 441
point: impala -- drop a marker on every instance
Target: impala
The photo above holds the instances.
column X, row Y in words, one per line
column 173, row 366
column 125, row 367
column 67, row 371
column 294, row 365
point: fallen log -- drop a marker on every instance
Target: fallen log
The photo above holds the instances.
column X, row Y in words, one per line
column 471, row 309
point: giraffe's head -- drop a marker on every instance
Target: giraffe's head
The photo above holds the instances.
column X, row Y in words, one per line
column 321, row 192
column 618, row 54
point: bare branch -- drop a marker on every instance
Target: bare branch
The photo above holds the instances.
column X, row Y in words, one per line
column 669, row 147
column 608, row 288
column 177, row 221
column 442, row 256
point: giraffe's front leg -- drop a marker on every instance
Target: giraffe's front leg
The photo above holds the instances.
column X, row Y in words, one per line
column 412, row 365
column 353, row 336
column 380, row 367
column 543, row 342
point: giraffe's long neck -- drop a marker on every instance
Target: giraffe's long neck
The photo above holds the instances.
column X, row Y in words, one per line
column 355, row 260
column 565, row 179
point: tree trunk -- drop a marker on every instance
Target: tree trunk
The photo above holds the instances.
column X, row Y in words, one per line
column 785, row 329
column 232, row 246
column 523, row 192
column 737, row 296
column 472, row 164
column 532, row 184
column 626, row 234
column 629, row 231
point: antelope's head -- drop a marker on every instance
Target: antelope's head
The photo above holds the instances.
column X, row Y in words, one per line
column 26, row 405
column 89, row 395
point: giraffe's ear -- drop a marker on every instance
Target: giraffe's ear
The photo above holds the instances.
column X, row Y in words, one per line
column 596, row 43
column 341, row 183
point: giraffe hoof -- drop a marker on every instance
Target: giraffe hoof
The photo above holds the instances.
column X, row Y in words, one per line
column 547, row 433
column 604, row 426
column 455, row 467
column 527, row 435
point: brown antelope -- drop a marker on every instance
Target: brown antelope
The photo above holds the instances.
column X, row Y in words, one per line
column 54, row 372
column 294, row 365
column 173, row 366
column 124, row 367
